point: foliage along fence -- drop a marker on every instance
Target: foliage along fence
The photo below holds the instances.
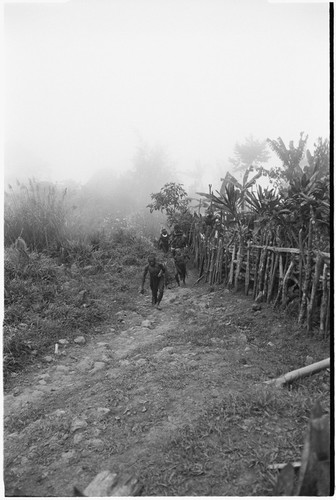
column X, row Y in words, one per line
column 297, row 278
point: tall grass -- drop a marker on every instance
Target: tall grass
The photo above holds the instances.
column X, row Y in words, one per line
column 37, row 213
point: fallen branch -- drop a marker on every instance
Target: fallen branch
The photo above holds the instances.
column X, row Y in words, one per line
column 300, row 373
column 296, row 465
column 199, row 279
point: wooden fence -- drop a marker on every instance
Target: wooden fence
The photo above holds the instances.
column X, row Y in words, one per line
column 287, row 277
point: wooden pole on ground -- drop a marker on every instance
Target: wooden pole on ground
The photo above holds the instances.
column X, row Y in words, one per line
column 299, row 373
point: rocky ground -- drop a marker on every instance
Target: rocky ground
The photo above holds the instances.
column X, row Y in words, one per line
column 137, row 395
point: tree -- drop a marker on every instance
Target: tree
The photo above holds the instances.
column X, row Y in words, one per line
column 290, row 158
column 173, row 200
column 320, row 160
column 252, row 152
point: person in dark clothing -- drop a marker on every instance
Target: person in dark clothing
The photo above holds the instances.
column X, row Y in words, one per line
column 164, row 241
column 180, row 266
column 179, row 239
column 156, row 272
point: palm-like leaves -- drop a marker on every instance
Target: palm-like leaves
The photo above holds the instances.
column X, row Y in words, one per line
column 310, row 197
column 229, row 202
column 281, row 215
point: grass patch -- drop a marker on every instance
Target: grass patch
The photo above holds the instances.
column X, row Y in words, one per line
column 46, row 301
column 227, row 452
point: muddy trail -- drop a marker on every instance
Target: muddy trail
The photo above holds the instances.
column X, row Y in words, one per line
column 121, row 399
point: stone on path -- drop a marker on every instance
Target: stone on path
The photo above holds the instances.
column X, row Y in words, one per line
column 85, row 365
column 146, row 323
column 99, row 365
column 77, row 423
column 97, row 444
column 78, row 438
column 79, row 340
column 62, row 368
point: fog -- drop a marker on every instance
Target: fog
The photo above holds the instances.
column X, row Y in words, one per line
column 88, row 82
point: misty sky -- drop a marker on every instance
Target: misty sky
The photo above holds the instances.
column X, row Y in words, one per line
column 86, row 81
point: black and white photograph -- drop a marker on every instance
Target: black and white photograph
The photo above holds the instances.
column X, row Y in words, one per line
column 167, row 237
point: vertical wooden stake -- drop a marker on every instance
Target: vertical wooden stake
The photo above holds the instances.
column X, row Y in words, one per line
column 261, row 272
column 285, row 283
column 255, row 284
column 280, row 285
column 304, row 298
column 316, row 280
column 273, row 276
column 239, row 262
column 247, row 273
column 324, row 303
column 230, row 282
column 301, row 262
column 268, row 269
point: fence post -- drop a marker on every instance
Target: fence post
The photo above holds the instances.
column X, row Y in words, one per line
column 247, row 272
column 304, row 298
column 316, row 279
column 324, row 302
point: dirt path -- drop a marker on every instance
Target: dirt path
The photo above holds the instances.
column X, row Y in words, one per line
column 113, row 402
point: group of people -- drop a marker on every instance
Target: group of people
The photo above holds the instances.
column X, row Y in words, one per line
column 176, row 243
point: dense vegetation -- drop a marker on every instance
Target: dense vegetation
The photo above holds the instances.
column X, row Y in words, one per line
column 277, row 215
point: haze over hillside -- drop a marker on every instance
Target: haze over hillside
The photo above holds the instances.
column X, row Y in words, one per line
column 88, row 82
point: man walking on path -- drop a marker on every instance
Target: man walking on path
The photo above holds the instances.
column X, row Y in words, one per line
column 156, row 280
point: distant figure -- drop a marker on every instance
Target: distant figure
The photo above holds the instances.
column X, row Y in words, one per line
column 156, row 280
column 164, row 241
column 180, row 266
column 179, row 239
